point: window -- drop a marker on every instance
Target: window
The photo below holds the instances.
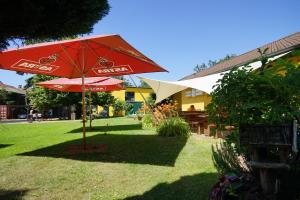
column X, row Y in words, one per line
column 129, row 96
column 193, row 93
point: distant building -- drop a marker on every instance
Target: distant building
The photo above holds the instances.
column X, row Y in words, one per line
column 200, row 100
column 14, row 106
column 132, row 95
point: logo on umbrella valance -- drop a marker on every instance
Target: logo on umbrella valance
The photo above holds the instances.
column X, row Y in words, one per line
column 32, row 66
column 107, row 67
column 48, row 60
column 95, row 89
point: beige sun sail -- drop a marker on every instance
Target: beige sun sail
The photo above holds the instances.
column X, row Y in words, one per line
column 165, row 89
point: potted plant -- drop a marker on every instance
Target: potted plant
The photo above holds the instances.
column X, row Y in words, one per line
column 119, row 107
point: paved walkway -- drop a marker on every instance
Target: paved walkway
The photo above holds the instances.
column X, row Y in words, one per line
column 25, row 121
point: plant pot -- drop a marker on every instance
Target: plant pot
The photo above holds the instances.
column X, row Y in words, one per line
column 140, row 118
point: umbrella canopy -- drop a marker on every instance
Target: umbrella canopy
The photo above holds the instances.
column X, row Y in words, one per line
column 93, row 84
column 105, row 55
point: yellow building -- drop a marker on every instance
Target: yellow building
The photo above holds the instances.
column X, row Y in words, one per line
column 132, row 95
column 189, row 97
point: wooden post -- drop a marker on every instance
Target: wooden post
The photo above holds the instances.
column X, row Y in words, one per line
column 90, row 108
column 83, row 113
column 267, row 181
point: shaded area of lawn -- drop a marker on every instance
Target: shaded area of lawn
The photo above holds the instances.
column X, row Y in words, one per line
column 138, row 149
column 187, row 188
column 108, row 128
column 4, row 145
column 12, row 194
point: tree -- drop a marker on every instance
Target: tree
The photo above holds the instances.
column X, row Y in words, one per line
column 211, row 63
column 42, row 99
column 244, row 96
column 151, row 99
column 3, row 96
column 103, row 99
column 201, row 67
column 32, row 19
column 119, row 106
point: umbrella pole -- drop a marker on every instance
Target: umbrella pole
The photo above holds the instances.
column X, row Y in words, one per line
column 83, row 113
column 90, row 108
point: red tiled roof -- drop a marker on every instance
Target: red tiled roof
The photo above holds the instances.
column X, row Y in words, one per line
column 10, row 88
column 274, row 48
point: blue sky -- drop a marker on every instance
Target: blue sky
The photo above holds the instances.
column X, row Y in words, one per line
column 178, row 35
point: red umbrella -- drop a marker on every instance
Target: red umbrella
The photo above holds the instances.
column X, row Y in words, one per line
column 107, row 55
column 92, row 84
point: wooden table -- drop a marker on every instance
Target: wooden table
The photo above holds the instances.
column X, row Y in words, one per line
column 198, row 121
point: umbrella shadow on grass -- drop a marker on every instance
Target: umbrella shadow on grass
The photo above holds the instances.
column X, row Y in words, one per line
column 139, row 149
column 105, row 128
column 4, row 145
column 192, row 187
column 12, row 194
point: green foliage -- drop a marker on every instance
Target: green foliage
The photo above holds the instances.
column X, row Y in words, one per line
column 3, row 96
column 128, row 107
column 147, row 121
column 174, row 126
column 119, row 106
column 103, row 99
column 151, row 99
column 246, row 96
column 227, row 159
column 41, row 98
column 48, row 19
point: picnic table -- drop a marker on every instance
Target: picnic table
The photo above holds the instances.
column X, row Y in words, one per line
column 198, row 121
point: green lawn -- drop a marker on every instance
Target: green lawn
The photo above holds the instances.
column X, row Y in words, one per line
column 137, row 164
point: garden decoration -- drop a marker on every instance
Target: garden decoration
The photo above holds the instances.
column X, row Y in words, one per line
column 93, row 84
column 106, row 55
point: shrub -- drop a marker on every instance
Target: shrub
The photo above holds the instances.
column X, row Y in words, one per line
column 164, row 111
column 269, row 95
column 174, row 126
column 227, row 159
column 147, row 121
column 119, row 106
column 128, row 108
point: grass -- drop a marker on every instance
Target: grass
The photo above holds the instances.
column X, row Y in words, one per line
column 137, row 165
